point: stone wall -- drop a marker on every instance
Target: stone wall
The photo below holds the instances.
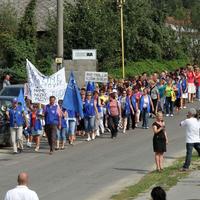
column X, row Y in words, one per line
column 79, row 67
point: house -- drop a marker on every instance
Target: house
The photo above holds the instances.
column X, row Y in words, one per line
column 44, row 8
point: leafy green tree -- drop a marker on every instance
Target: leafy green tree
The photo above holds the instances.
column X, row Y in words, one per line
column 93, row 25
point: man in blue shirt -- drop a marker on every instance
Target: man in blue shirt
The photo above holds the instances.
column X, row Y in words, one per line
column 52, row 114
column 17, row 118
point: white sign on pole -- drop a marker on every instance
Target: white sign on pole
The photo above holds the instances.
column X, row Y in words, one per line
column 84, row 54
column 41, row 87
column 101, row 77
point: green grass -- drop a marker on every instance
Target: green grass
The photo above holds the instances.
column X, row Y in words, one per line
column 149, row 66
column 167, row 179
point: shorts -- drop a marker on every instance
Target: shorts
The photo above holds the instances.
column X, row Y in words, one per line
column 36, row 133
column 191, row 88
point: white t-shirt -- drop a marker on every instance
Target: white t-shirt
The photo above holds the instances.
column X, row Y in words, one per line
column 21, row 192
column 192, row 130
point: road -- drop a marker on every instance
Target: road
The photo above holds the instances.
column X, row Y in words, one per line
column 94, row 170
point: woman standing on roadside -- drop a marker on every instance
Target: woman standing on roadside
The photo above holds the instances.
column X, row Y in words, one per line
column 159, row 140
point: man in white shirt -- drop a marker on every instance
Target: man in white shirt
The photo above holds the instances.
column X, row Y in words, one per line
column 21, row 192
column 192, row 126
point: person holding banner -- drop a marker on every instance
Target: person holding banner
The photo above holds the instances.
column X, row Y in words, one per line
column 90, row 111
column 52, row 116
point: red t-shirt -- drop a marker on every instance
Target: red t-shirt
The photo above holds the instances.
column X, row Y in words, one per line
column 197, row 77
column 190, row 77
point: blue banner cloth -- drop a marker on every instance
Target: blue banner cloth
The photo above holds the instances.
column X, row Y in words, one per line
column 72, row 99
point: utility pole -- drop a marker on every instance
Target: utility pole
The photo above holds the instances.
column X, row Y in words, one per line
column 121, row 4
column 59, row 58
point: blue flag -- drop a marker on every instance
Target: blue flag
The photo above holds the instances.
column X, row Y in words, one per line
column 90, row 87
column 21, row 100
column 72, row 99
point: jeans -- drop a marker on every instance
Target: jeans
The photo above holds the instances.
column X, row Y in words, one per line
column 131, row 120
column 61, row 134
column 162, row 103
column 145, row 117
column 198, row 92
column 169, row 105
column 71, row 127
column 89, row 123
column 189, row 148
column 113, row 122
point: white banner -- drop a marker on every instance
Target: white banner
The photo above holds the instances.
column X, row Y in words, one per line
column 41, row 87
column 96, row 77
column 37, row 79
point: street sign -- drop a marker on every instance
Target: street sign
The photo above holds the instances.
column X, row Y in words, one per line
column 84, row 54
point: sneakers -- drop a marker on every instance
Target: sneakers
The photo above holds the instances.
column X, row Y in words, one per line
column 167, row 115
column 36, row 149
column 171, row 115
column 93, row 136
column 88, row 139
column 29, row 144
column 183, row 169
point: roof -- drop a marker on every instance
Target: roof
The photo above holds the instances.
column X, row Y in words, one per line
column 44, row 8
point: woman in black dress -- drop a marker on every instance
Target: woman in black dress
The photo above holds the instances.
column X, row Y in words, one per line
column 159, row 140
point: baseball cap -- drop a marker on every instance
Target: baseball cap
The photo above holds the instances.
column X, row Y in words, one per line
column 15, row 100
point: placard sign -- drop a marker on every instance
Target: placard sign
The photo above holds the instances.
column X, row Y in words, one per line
column 101, row 77
column 42, row 95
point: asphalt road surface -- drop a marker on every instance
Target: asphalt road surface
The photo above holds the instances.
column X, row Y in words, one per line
column 94, row 170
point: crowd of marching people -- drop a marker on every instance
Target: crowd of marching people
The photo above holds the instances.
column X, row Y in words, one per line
column 110, row 107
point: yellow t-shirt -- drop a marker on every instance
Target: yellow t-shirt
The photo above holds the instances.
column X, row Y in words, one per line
column 168, row 91
column 104, row 98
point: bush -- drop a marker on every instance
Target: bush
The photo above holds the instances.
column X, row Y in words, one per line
column 149, row 66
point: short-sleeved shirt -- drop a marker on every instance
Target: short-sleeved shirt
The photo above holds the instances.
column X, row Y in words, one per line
column 114, row 108
column 21, row 192
column 154, row 92
column 192, row 130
